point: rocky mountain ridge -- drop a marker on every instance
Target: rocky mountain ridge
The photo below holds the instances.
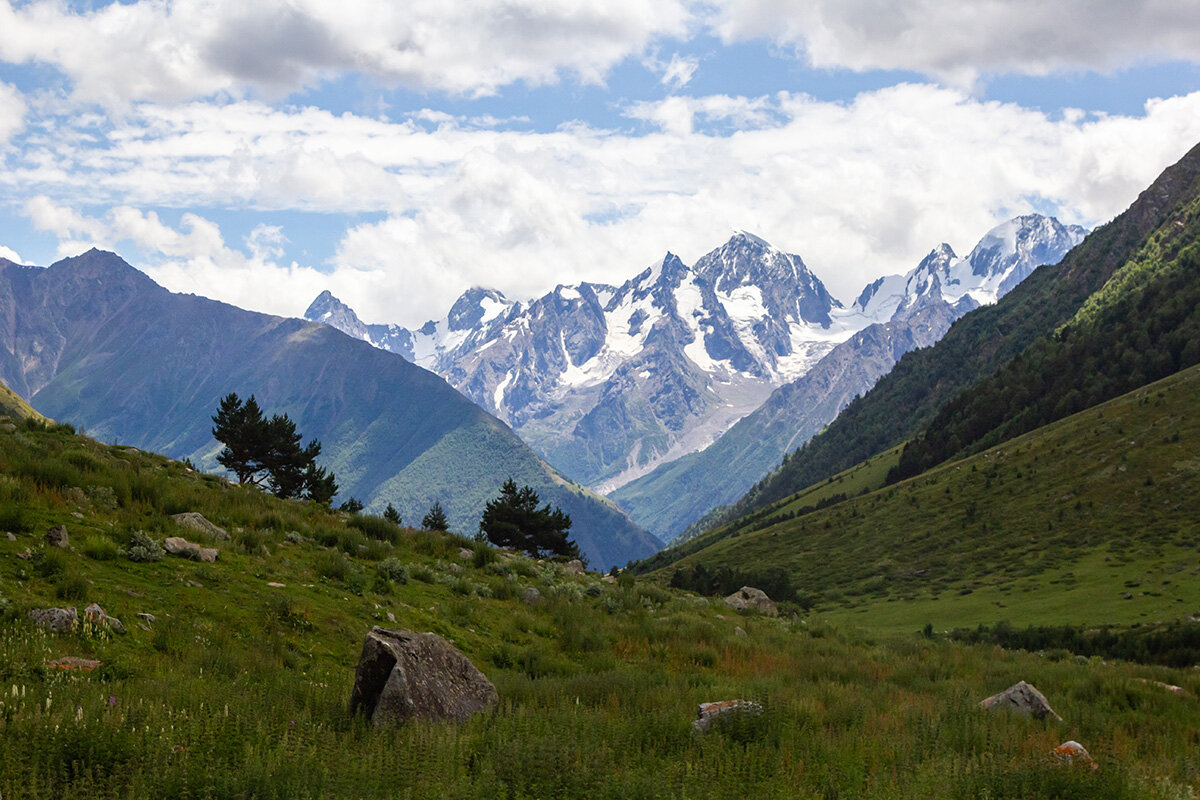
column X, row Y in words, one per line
column 610, row 383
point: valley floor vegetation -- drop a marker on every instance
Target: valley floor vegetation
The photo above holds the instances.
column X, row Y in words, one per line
column 233, row 677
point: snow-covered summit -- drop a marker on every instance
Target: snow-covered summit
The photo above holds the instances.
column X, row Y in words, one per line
column 1005, row 256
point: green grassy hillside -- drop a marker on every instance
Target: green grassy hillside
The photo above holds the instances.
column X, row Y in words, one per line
column 1090, row 520
column 238, row 686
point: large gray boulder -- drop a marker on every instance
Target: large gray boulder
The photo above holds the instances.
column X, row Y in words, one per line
column 1022, row 698
column 403, row 674
column 55, row 619
column 195, row 521
column 748, row 598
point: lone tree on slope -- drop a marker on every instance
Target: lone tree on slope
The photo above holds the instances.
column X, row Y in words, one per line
column 435, row 520
column 267, row 453
column 514, row 520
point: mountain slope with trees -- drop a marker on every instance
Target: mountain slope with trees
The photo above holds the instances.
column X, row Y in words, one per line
column 93, row 341
column 906, row 400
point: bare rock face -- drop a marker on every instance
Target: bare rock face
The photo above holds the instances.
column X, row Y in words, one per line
column 748, row 598
column 178, row 546
column 57, row 536
column 1022, row 698
column 196, row 522
column 402, row 674
column 709, row 714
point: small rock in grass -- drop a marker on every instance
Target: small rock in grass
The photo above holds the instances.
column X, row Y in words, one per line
column 69, row 663
column 609, row 579
column 573, row 567
column 275, row 584
column 465, row 553
column 748, row 598
column 1022, row 698
column 146, row 616
column 178, row 546
column 1072, row 753
column 738, row 631
column 57, row 536
column 10, row 536
column 708, row 714
column 98, row 617
column 531, row 595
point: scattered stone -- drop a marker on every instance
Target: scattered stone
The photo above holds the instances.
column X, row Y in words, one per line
column 10, row 536
column 465, row 553
column 748, row 598
column 1022, row 698
column 55, row 619
column 76, row 515
column 573, row 567
column 609, row 579
column 456, row 569
column 403, row 675
column 196, row 522
column 57, row 536
column 25, row 555
column 1172, row 688
column 295, row 538
column 8, row 427
column 194, row 584
column 146, row 616
column 708, row 714
column 530, row 595
column 97, row 616
column 275, row 584
column 73, row 663
column 1072, row 753
column 391, row 617
column 738, row 631
column 178, row 546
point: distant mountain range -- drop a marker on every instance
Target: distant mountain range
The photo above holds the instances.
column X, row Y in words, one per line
column 93, row 341
column 622, row 386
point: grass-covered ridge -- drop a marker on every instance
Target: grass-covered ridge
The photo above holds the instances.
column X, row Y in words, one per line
column 1057, row 526
column 239, row 688
column 14, row 407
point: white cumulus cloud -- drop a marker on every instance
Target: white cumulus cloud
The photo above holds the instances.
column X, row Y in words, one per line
column 957, row 41
column 153, row 50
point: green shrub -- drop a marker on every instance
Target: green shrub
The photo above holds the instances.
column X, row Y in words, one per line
column 393, row 570
column 100, row 548
column 71, row 586
column 49, row 562
column 376, row 528
column 144, row 549
column 14, row 518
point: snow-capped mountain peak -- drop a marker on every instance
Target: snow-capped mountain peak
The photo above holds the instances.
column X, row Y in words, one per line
column 1003, row 258
column 333, row 312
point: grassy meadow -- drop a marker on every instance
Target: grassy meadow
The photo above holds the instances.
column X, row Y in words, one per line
column 1091, row 520
column 238, row 688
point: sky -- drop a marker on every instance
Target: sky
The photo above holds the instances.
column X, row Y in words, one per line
column 399, row 153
